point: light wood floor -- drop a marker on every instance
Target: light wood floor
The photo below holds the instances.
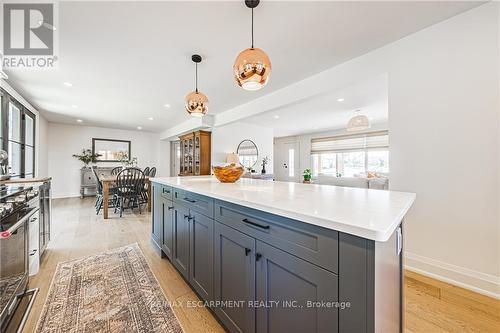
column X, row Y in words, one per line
column 431, row 306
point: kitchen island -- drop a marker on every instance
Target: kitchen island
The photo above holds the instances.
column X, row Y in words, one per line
column 286, row 257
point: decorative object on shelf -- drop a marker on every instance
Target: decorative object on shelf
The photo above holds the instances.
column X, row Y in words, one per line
column 110, row 150
column 358, row 123
column 87, row 157
column 196, row 102
column 232, row 158
column 125, row 160
column 307, row 174
column 229, row 173
column 195, row 157
column 252, row 67
column 265, row 160
column 248, row 154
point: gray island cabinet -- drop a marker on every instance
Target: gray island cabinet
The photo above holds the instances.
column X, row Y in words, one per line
column 263, row 263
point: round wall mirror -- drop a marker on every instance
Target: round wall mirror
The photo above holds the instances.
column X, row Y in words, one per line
column 248, row 153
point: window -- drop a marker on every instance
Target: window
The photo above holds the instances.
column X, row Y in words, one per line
column 378, row 161
column 17, row 136
column 353, row 163
column 325, row 164
column 351, row 155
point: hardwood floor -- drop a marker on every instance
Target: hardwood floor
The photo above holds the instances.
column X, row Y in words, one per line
column 431, row 306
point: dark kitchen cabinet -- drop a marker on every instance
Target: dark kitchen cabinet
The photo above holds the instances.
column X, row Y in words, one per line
column 157, row 215
column 301, row 295
column 201, row 268
column 167, row 227
column 235, row 278
column 180, row 253
column 268, row 273
column 44, row 193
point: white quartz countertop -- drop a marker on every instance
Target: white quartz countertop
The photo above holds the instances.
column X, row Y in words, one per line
column 371, row 214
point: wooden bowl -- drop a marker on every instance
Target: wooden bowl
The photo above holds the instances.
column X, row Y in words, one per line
column 229, row 173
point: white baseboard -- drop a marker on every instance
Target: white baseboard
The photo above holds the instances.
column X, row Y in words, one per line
column 479, row 282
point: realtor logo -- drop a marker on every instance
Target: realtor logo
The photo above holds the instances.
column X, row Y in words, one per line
column 28, row 35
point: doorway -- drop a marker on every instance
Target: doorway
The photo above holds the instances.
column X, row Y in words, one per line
column 175, row 158
column 288, row 168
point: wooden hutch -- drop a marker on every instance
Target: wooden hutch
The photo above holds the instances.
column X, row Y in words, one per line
column 195, row 154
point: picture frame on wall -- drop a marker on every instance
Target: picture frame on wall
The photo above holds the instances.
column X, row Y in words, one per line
column 111, row 150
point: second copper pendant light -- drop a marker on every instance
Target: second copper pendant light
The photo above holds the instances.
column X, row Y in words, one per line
column 196, row 102
column 251, row 70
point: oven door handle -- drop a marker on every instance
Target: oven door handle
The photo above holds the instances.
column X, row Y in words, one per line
column 6, row 234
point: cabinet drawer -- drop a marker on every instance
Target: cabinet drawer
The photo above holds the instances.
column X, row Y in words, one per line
column 198, row 203
column 314, row 244
column 166, row 192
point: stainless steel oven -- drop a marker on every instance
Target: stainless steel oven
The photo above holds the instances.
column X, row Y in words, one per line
column 18, row 205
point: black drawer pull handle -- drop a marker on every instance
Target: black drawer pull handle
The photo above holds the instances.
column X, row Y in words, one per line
column 33, row 252
column 247, row 251
column 189, row 200
column 256, row 224
column 258, row 256
column 188, row 217
column 166, row 191
column 170, row 207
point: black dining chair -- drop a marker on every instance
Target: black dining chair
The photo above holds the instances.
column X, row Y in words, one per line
column 152, row 172
column 146, row 171
column 116, row 170
column 129, row 187
column 99, row 193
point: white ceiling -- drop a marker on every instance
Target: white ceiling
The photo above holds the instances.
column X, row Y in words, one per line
column 329, row 111
column 127, row 59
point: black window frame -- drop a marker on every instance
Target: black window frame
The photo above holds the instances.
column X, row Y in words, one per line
column 4, row 144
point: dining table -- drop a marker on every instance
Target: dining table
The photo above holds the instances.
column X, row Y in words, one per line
column 107, row 182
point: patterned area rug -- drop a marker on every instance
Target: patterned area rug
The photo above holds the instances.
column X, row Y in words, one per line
column 114, row 291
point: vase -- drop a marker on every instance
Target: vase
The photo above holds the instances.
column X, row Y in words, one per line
column 263, row 171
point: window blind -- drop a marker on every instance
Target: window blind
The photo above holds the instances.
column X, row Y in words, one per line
column 342, row 143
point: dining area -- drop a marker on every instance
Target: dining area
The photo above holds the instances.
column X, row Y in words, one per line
column 124, row 188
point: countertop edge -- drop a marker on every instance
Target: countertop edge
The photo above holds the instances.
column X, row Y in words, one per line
column 26, row 180
column 375, row 235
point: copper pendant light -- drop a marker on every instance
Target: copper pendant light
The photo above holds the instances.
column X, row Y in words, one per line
column 196, row 102
column 252, row 67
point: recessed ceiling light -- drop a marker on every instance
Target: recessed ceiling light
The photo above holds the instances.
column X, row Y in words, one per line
column 150, row 118
column 139, row 128
column 68, row 84
column 276, row 117
column 79, row 120
column 340, row 99
column 74, row 106
column 166, row 105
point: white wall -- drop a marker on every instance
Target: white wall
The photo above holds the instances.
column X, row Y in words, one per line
column 66, row 140
column 443, row 122
column 226, row 138
column 444, row 140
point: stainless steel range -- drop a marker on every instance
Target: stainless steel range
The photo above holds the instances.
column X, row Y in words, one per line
column 18, row 205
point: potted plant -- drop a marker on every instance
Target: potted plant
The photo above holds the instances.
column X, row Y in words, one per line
column 125, row 161
column 87, row 157
column 265, row 160
column 307, row 174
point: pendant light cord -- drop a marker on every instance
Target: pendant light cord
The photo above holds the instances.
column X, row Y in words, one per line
column 252, row 28
column 196, row 75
